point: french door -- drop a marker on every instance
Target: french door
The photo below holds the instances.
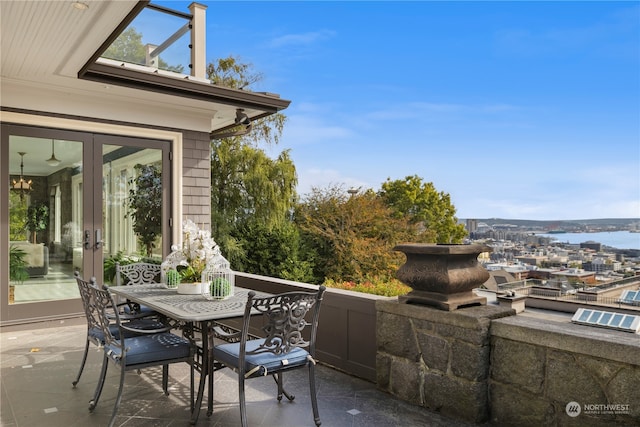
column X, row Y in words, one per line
column 77, row 202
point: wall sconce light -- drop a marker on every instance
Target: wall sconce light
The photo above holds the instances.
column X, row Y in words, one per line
column 241, row 119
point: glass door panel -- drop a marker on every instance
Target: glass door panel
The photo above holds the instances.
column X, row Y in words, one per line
column 45, row 218
column 78, row 202
column 132, row 205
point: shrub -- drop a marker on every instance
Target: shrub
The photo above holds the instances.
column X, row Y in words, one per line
column 376, row 286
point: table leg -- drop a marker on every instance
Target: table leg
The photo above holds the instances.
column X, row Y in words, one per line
column 205, row 371
column 209, row 368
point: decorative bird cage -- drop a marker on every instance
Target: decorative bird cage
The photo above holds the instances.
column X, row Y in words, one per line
column 218, row 280
column 168, row 273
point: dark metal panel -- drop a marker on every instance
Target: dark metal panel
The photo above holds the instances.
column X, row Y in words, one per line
column 123, row 76
column 346, row 336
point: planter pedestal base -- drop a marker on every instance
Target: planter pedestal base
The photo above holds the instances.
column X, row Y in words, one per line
column 447, row 302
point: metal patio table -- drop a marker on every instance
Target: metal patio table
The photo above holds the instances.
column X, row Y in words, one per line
column 192, row 313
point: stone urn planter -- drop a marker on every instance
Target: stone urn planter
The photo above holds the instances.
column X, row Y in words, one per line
column 442, row 276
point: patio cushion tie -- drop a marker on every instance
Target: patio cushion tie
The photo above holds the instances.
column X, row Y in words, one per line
column 255, row 369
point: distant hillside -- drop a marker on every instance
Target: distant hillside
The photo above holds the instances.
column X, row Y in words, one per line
column 601, row 222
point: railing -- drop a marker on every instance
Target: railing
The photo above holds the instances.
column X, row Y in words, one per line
column 347, row 327
column 617, row 283
column 584, row 296
column 171, row 34
column 348, row 320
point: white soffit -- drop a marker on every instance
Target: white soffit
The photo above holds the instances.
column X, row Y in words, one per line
column 41, row 39
column 45, row 43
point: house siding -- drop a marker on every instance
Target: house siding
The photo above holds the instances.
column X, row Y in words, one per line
column 196, row 181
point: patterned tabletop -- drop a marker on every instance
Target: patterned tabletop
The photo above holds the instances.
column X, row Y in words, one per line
column 188, row 308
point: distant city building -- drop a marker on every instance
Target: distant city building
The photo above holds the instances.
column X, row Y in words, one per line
column 600, row 264
column 591, row 245
column 575, row 275
column 472, row 225
column 531, row 259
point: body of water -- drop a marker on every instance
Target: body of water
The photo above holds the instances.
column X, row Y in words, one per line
column 615, row 239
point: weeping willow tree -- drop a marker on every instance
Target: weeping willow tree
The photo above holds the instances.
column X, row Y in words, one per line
column 249, row 189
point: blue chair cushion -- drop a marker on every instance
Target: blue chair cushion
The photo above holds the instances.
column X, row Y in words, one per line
column 145, row 324
column 265, row 362
column 142, row 349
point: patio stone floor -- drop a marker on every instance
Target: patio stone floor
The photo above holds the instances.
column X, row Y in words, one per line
column 39, row 361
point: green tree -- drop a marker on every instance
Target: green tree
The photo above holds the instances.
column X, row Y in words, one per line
column 252, row 194
column 128, row 47
column 425, row 207
column 232, row 73
column 350, row 238
column 247, row 187
column 145, row 205
column 273, row 251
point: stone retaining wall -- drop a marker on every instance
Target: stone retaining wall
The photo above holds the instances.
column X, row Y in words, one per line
column 486, row 364
column 437, row 359
column 538, row 367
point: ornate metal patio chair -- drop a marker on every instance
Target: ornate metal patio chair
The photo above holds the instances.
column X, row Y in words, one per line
column 138, row 273
column 284, row 348
column 95, row 335
column 145, row 348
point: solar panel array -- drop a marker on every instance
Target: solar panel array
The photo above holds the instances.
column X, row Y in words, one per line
column 630, row 297
column 607, row 319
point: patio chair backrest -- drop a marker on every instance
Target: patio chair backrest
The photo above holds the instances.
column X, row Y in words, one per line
column 138, row 273
column 90, row 311
column 284, row 321
column 98, row 306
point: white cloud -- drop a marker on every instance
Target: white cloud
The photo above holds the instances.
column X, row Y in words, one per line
column 301, row 39
column 306, row 129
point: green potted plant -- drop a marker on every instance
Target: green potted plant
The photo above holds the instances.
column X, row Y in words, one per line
column 17, row 269
column 37, row 219
column 173, row 278
column 220, row 288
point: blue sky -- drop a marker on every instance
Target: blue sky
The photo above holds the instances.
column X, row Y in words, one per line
column 527, row 110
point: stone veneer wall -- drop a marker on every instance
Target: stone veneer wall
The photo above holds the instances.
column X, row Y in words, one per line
column 485, row 364
column 538, row 366
column 196, row 178
column 437, row 359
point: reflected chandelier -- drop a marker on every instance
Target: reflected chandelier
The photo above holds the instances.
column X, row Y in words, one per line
column 22, row 186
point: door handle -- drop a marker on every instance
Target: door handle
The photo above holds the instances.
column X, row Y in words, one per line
column 98, row 238
column 87, row 239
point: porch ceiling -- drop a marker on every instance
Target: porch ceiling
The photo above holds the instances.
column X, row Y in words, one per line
column 44, row 44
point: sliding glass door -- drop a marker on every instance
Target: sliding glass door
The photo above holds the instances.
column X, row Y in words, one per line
column 77, row 202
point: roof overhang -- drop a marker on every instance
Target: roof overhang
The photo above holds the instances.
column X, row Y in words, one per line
column 112, row 72
column 49, row 63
